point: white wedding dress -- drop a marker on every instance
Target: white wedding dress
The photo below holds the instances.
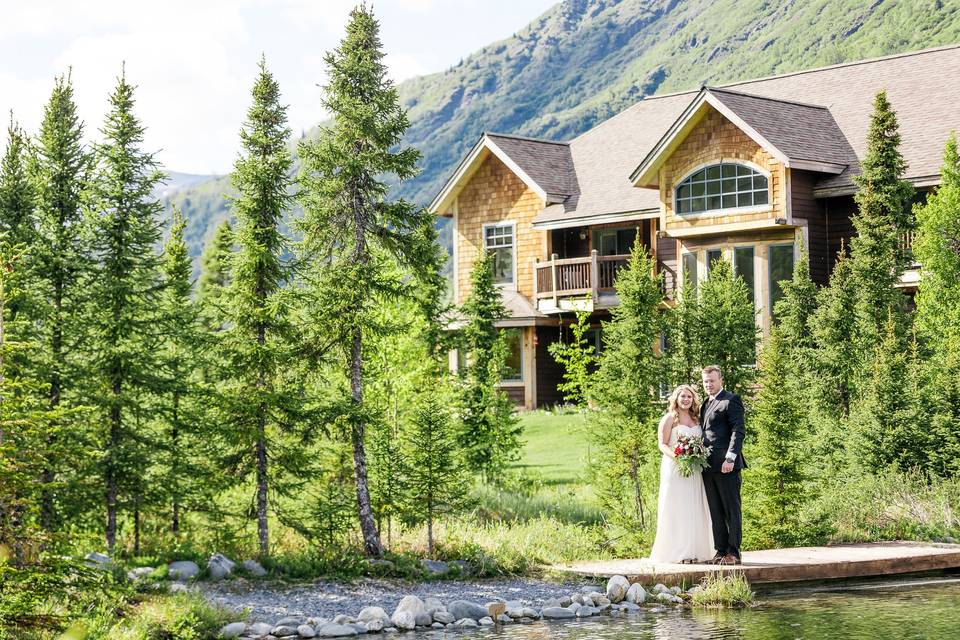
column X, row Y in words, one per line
column 684, row 531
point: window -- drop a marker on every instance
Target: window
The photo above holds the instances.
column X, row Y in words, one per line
column 614, row 242
column 513, row 365
column 498, row 240
column 781, row 268
column 712, row 256
column 743, row 267
column 721, row 186
column 690, row 270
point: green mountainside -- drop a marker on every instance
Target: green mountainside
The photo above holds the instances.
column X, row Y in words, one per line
column 586, row 60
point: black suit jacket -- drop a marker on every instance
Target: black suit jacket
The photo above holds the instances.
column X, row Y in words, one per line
column 723, row 429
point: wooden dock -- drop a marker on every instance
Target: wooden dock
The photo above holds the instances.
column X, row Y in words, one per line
column 790, row 565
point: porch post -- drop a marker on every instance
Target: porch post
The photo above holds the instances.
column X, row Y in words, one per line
column 594, row 277
column 553, row 276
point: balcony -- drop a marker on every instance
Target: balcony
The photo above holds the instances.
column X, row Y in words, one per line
column 572, row 284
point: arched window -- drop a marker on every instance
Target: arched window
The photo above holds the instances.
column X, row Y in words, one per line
column 721, row 186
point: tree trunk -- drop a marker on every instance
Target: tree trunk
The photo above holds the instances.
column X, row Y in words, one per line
column 262, row 534
column 371, row 537
column 136, row 528
column 110, row 475
column 174, row 467
column 430, row 531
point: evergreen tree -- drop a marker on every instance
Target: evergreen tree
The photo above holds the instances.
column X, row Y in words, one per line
column 780, row 422
column 578, row 360
column 683, row 338
column 797, row 306
column 125, row 296
column 60, row 264
column 354, row 237
column 17, row 197
column 727, row 327
column 627, row 390
column 215, row 274
column 437, row 482
column 257, row 344
column 883, row 197
column 837, row 357
column 489, row 430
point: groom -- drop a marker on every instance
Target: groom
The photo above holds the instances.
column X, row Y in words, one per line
column 721, row 417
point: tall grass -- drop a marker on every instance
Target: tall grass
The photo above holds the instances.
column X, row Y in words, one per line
column 723, row 590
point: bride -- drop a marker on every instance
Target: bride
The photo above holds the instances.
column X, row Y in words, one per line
column 683, row 517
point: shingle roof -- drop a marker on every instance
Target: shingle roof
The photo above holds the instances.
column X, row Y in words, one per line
column 548, row 163
column 926, row 102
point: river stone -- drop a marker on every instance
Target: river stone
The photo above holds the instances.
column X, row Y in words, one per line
column 590, row 588
column 432, row 605
column 289, row 621
column 485, row 621
column 565, row 601
column 333, row 630
column 438, row 625
column 600, row 600
column 636, row 594
column 659, row 588
column 629, row 606
column 463, row 609
column 617, row 588
column 183, row 570
column 259, row 629
column 443, row 616
column 586, row 601
column 369, row 614
column 178, row 587
column 135, row 575
column 254, row 568
column 219, row 566
column 495, row 609
column 515, row 612
column 283, row 630
column 414, row 606
column 306, row 631
column 530, row 612
column 462, row 566
column 233, row 629
column 575, row 606
column 435, row 567
column 675, row 590
column 98, row 560
column 577, row 597
column 343, row 618
column 404, row 620
column 375, row 625
column 585, row 612
column 554, row 602
column 557, row 613
column 504, row 619
column 466, row 622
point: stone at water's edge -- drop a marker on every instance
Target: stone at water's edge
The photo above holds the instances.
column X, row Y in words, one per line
column 463, row 609
column 432, row 605
column 233, row 630
column 306, row 631
column 283, row 630
column 183, row 570
column 331, row 630
column 255, row 568
column 486, row 621
column 289, row 621
column 260, row 629
column 443, row 616
column 370, row 614
column 466, row 622
column 557, row 613
column 404, row 620
column 617, row 587
column 636, row 594
column 414, row 606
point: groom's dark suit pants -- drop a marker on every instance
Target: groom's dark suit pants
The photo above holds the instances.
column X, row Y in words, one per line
column 723, row 497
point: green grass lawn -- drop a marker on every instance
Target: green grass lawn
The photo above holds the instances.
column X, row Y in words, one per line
column 557, row 447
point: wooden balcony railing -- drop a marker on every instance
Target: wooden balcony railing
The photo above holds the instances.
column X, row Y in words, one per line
column 563, row 277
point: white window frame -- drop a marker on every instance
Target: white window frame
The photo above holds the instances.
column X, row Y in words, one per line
column 722, row 211
column 513, row 246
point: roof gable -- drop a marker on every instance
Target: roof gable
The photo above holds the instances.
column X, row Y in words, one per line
column 544, row 166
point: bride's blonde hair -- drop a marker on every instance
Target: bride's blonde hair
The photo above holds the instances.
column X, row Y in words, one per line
column 673, row 405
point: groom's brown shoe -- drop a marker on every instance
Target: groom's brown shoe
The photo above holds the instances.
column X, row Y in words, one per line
column 729, row 559
column 717, row 559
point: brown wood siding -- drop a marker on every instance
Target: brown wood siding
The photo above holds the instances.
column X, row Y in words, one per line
column 839, row 215
column 549, row 373
column 493, row 194
column 715, row 139
column 667, row 263
column 516, row 395
column 805, row 207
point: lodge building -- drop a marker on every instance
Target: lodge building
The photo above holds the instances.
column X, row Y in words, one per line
column 747, row 171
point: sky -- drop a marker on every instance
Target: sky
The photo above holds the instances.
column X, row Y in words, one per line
column 194, row 61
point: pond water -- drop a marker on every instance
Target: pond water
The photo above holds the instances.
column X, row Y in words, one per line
column 920, row 608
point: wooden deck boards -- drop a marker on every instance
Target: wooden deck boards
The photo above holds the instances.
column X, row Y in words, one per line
column 790, row 565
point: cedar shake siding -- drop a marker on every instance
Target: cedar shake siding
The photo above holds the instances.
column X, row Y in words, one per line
column 667, row 263
column 496, row 194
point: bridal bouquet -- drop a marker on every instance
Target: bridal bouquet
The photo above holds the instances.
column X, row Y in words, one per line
column 691, row 455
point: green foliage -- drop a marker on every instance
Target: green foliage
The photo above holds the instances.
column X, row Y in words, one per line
column 728, row 332
column 683, row 338
column 627, row 392
column 257, row 401
column 436, row 482
column 16, row 190
column 723, row 590
column 360, row 249
column 578, row 361
column 215, row 274
column 795, row 310
column 124, row 295
column 779, row 420
column 489, row 431
column 883, row 197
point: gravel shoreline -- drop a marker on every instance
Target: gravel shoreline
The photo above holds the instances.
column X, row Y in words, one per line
column 322, row 599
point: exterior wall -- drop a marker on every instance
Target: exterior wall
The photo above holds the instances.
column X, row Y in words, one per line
column 712, row 140
column 549, row 373
column 667, row 263
column 496, row 194
column 808, row 211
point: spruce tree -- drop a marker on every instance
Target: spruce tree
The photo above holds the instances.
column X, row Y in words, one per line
column 354, row 236
column 883, row 198
column 578, row 359
column 780, row 423
column 257, row 344
column 837, row 356
column 489, row 430
column 17, row 196
column 436, row 481
column 682, row 352
column 726, row 326
column 61, row 172
column 125, row 296
column 215, row 274
column 626, row 389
